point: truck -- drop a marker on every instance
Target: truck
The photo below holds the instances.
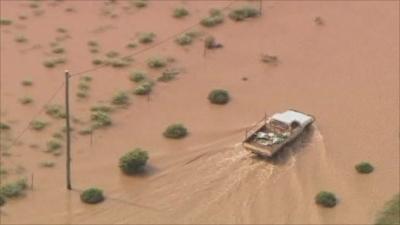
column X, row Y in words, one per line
column 270, row 135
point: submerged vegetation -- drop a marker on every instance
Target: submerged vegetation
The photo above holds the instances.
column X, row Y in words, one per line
column 5, row 22
column 92, row 196
column 100, row 119
column 168, row 75
column 121, row 98
column 364, row 167
column 216, row 17
column 144, row 89
column 175, row 131
column 186, row 38
column 243, row 13
column 157, row 62
column 133, row 161
column 219, row 96
column 326, row 199
column 138, row 76
column 14, row 189
column 146, row 38
column 180, row 12
column 390, row 215
column 56, row 111
column 38, row 125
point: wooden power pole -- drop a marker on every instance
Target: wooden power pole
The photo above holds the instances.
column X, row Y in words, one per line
column 68, row 132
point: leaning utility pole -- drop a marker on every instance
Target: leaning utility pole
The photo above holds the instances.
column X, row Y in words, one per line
column 68, row 132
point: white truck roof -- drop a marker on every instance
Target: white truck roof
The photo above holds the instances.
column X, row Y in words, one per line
column 289, row 116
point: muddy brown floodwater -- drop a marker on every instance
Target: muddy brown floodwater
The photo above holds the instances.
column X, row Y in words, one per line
column 345, row 73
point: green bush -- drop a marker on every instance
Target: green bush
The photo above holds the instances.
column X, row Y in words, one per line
column 2, row 201
column 47, row 164
column 216, row 17
column 180, row 12
column 140, row 3
column 131, row 45
column 390, row 215
column 4, row 126
column 20, row 39
column 26, row 83
column 269, row 59
column 168, row 75
column 58, row 50
column 138, row 76
column 364, row 167
column 83, row 86
column 56, row 111
column 53, row 145
column 175, row 131
column 121, row 98
column 97, row 61
column 184, row 39
column 133, row 161
column 93, row 43
column 112, row 54
column 86, row 131
column 219, row 96
column 61, row 30
column 14, row 189
column 92, row 196
column 86, row 78
column 26, row 100
column 146, row 38
column 157, row 62
column 82, row 94
column 143, row 89
column 101, row 119
column 38, row 125
column 101, row 108
column 326, row 199
column 244, row 13
column 5, row 22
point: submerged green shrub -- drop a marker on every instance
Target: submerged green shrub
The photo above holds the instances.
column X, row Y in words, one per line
column 143, row 89
column 53, row 145
column 26, row 83
column 184, row 39
column 219, row 96
column 175, row 131
column 243, row 13
column 21, row 39
column 14, row 189
column 38, row 124
column 56, row 111
column 100, row 119
column 133, row 161
column 138, row 76
column 2, row 201
column 146, row 37
column 4, row 126
column 5, row 22
column 180, row 12
column 390, row 215
column 121, row 98
column 26, row 100
column 168, row 75
column 216, row 17
column 47, row 164
column 326, row 199
column 364, row 167
column 140, row 3
column 157, row 62
column 92, row 196
column 101, row 108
